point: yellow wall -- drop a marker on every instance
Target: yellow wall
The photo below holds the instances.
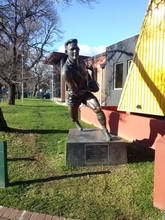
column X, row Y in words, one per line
column 144, row 89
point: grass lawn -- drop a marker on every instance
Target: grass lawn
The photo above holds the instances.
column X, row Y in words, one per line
column 40, row 181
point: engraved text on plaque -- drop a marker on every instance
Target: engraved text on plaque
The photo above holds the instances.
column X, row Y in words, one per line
column 96, row 153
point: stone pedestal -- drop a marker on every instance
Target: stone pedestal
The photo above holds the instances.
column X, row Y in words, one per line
column 90, row 147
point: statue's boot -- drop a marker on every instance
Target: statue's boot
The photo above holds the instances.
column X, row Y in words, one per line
column 107, row 134
column 78, row 126
column 102, row 120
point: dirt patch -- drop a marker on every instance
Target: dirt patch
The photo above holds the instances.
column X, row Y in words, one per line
column 29, row 139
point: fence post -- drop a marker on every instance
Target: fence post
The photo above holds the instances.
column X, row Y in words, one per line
column 3, row 164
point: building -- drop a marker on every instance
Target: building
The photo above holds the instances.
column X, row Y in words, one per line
column 146, row 77
column 119, row 57
column 111, row 69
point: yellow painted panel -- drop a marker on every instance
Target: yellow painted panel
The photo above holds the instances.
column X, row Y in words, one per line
column 144, row 89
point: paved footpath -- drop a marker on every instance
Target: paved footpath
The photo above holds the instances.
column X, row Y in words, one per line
column 15, row 214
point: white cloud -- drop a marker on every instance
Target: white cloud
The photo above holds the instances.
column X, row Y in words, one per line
column 91, row 51
column 86, row 50
column 61, row 49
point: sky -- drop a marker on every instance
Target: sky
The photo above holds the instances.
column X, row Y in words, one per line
column 101, row 24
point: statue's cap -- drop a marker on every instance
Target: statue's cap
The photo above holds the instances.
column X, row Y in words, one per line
column 75, row 41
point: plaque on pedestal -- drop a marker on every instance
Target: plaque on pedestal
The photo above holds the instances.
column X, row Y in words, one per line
column 89, row 147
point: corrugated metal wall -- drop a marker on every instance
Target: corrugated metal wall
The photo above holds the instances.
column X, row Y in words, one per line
column 144, row 89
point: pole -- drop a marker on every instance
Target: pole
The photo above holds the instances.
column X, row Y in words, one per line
column 22, row 80
column 3, row 164
column 52, row 85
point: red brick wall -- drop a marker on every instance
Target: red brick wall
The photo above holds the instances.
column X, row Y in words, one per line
column 143, row 130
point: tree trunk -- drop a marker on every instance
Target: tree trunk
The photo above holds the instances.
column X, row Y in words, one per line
column 35, row 90
column 11, row 95
column 3, row 124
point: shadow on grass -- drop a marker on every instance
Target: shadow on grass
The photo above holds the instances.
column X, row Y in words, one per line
column 36, row 131
column 40, row 106
column 53, row 178
column 21, row 159
column 137, row 153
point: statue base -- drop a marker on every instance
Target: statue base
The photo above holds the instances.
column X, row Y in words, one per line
column 90, row 147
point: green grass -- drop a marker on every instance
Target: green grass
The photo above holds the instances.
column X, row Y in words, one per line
column 41, row 182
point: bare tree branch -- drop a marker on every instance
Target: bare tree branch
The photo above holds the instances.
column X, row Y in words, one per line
column 27, row 27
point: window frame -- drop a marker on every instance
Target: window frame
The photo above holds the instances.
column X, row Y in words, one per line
column 128, row 64
column 115, row 75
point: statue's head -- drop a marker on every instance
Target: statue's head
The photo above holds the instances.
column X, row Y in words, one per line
column 72, row 49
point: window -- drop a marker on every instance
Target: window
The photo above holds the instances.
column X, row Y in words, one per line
column 118, row 76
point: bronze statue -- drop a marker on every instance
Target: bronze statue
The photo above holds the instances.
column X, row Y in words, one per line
column 77, row 79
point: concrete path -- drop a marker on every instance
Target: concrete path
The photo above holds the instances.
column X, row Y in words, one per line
column 15, row 214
